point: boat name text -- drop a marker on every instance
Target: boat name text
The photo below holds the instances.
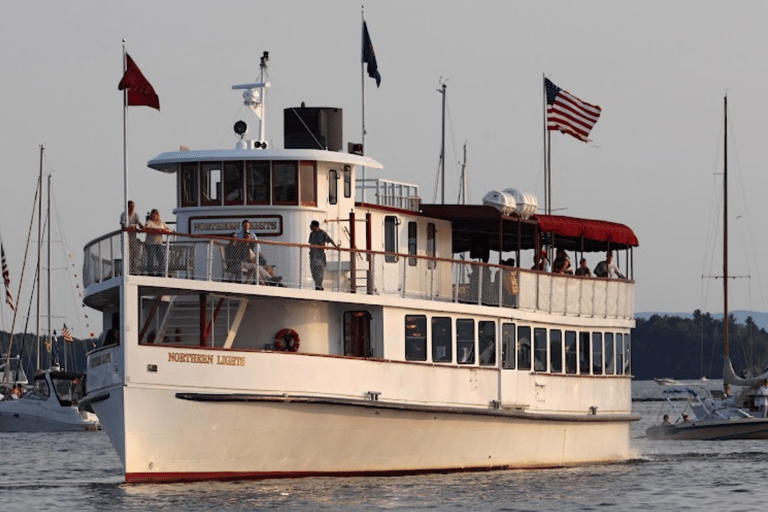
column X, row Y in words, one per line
column 179, row 357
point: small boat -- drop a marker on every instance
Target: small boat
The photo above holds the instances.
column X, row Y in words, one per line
column 715, row 418
column 717, row 415
column 50, row 406
column 666, row 381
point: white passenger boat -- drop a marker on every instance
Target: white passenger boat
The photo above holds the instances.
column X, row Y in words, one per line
column 50, row 406
column 400, row 364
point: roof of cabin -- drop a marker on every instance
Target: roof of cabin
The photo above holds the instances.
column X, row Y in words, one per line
column 166, row 161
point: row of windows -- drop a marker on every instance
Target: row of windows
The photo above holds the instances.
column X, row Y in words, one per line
column 548, row 350
column 390, row 239
column 257, row 182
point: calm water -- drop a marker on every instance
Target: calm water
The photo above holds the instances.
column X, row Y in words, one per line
column 80, row 472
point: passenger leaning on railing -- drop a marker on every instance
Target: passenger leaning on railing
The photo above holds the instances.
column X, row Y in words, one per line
column 129, row 224
column 155, row 229
column 607, row 268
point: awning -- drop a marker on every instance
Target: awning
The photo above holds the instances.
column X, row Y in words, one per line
column 476, row 226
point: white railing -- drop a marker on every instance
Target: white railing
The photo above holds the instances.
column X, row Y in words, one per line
column 206, row 258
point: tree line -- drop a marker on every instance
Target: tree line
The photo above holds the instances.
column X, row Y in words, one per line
column 691, row 348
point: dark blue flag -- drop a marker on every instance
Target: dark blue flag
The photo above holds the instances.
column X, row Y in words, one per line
column 369, row 56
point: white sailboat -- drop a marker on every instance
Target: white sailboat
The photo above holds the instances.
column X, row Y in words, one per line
column 722, row 415
column 51, row 403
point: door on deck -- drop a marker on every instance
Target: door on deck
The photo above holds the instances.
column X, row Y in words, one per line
column 357, row 334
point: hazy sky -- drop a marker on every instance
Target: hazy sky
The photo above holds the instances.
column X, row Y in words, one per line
column 658, row 69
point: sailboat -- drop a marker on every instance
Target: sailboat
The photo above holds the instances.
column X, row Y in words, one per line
column 51, row 404
column 717, row 415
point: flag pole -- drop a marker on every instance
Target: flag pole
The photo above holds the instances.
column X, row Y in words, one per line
column 362, row 83
column 125, row 149
column 547, row 142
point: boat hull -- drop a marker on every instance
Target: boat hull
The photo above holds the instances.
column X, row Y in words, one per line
column 191, row 437
column 19, row 417
column 716, row 430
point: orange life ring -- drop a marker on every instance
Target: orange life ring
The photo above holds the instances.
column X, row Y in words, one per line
column 287, row 340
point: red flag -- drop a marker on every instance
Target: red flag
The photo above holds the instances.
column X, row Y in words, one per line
column 140, row 91
column 569, row 114
column 6, row 279
column 67, row 335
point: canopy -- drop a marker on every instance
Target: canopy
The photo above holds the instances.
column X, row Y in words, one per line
column 479, row 226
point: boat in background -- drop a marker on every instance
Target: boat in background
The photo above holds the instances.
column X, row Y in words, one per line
column 717, row 415
column 666, row 381
column 51, row 403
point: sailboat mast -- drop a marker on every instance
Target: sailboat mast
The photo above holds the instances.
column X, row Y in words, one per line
column 442, row 148
column 39, row 250
column 726, row 344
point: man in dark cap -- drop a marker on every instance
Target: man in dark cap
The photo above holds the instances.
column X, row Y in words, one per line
column 318, row 237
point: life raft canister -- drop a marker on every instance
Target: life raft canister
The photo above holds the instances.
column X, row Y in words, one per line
column 287, row 340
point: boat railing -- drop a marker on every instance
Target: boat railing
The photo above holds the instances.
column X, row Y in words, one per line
column 221, row 258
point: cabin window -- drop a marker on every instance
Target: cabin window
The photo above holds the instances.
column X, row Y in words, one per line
column 333, row 187
column 347, row 181
column 390, row 238
column 627, row 356
column 210, row 183
column 465, row 341
column 442, row 340
column 412, row 242
column 597, row 353
column 610, row 369
column 619, row 354
column 284, row 183
column 486, row 343
column 540, row 349
column 233, row 183
column 524, row 348
column 584, row 353
column 258, row 182
column 508, row 346
column 189, row 184
column 556, row 351
column 570, row 352
column 415, row 338
column 431, row 246
column 308, row 184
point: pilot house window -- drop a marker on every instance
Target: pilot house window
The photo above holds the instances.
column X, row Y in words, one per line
column 189, row 184
column 284, row 182
column 308, row 184
column 257, row 182
column 390, row 238
column 233, row 183
column 333, row 187
column 210, row 183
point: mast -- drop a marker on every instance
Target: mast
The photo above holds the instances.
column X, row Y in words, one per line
column 48, row 225
column 726, row 343
column 39, row 250
column 442, row 148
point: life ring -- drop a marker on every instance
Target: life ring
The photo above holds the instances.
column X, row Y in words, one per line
column 287, row 340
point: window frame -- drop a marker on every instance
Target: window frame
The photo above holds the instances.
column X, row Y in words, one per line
column 390, row 238
column 302, row 172
column 347, row 181
column 527, row 363
column 206, row 168
column 191, row 169
column 333, row 186
column 597, row 353
column 556, row 351
column 413, row 242
column 609, row 354
column 484, row 344
column 252, row 167
column 442, row 343
column 508, row 346
column 462, row 341
column 415, row 341
column 227, row 167
column 277, row 168
column 571, row 354
column 540, row 349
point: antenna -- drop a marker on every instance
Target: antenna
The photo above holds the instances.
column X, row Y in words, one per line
column 255, row 97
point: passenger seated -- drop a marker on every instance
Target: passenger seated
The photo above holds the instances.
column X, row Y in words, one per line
column 583, row 269
column 563, row 263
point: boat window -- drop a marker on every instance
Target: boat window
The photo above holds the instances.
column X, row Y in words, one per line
column 540, row 349
column 189, row 184
column 570, row 352
column 556, row 351
column 627, row 356
column 308, row 184
column 524, row 348
column 619, row 354
column 40, row 391
column 597, row 353
column 431, row 247
column 465, row 341
column 233, row 183
column 210, row 183
column 608, row 345
column 333, row 187
column 412, row 242
column 390, row 238
column 284, row 178
column 64, row 389
column 257, row 182
column 415, row 338
column 442, row 340
column 347, row 181
column 487, row 343
column 584, row 353
column 508, row 346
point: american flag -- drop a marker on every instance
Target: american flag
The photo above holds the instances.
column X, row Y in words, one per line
column 66, row 334
column 6, row 279
column 567, row 113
